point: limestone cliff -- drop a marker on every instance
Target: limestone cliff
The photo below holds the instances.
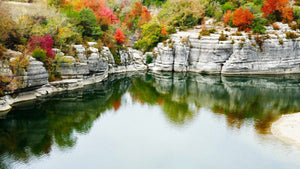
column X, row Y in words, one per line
column 273, row 53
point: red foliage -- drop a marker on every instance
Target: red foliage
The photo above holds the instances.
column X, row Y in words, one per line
column 43, row 42
column 101, row 11
column 119, row 36
column 242, row 18
column 278, row 7
column 227, row 17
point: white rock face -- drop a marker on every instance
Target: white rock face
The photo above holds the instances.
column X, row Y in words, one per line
column 36, row 74
column 236, row 55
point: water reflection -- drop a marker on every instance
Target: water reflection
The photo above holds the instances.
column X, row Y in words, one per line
column 32, row 129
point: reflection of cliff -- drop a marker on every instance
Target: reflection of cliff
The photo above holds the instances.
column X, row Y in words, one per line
column 239, row 98
column 32, row 132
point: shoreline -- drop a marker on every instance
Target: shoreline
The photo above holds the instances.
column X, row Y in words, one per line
column 287, row 128
column 7, row 101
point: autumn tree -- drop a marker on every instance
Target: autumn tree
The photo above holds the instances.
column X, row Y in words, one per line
column 43, row 42
column 119, row 36
column 138, row 16
column 103, row 14
column 280, row 9
column 227, row 17
column 242, row 18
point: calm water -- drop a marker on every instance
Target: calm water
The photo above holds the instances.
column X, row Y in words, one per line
column 155, row 121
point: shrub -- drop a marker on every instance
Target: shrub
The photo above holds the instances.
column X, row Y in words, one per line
column 136, row 17
column 258, row 25
column 227, row 17
column 275, row 26
column 280, row 9
column 103, row 14
column 9, row 34
column 260, row 41
column 119, row 36
column 241, row 44
column 19, row 64
column 149, row 59
column 293, row 26
column 204, row 32
column 207, row 32
column 291, row 35
column 182, row 13
column 88, row 21
column 39, row 54
column 43, row 42
column 155, row 2
column 242, row 19
column 223, row 37
column 228, row 6
column 237, row 34
column 151, row 36
column 296, row 12
column 281, row 41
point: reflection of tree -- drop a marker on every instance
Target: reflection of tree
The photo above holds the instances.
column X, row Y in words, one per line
column 178, row 113
column 144, row 92
column 32, row 132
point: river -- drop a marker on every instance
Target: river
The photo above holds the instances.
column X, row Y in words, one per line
column 155, row 121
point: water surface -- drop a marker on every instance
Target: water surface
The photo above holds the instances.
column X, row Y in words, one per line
column 155, row 121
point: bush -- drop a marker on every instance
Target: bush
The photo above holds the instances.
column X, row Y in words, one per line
column 281, row 41
column 39, row 54
column 153, row 2
column 43, row 42
column 88, row 21
column 207, row 32
column 9, row 35
column 260, row 41
column 293, row 26
column 296, row 12
column 151, row 36
column 258, row 25
column 228, row 6
column 223, row 37
column 149, row 59
column 291, row 35
column 242, row 18
column 182, row 13
column 258, row 2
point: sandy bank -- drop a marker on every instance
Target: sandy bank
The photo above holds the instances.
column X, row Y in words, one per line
column 287, row 128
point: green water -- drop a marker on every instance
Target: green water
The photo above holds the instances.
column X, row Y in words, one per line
column 155, row 121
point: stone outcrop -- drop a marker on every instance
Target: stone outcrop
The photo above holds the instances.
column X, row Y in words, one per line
column 273, row 53
column 35, row 75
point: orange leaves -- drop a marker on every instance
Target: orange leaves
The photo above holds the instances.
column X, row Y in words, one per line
column 138, row 16
column 164, row 31
column 242, row 18
column 287, row 14
column 119, row 36
column 280, row 8
column 227, row 17
column 145, row 16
